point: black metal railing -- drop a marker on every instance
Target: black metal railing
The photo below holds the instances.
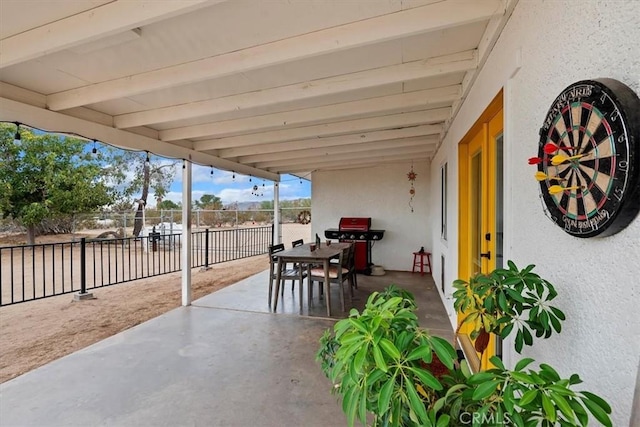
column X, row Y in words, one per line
column 39, row 271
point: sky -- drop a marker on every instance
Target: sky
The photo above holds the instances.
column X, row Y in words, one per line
column 222, row 183
column 230, row 187
column 240, row 189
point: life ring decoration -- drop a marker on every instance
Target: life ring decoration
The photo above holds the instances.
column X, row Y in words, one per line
column 304, row 217
column 589, row 158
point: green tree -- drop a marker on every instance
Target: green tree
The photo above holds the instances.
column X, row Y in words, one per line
column 209, row 202
column 46, row 176
column 168, row 205
column 134, row 174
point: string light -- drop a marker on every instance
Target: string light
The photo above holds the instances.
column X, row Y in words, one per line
column 249, row 178
column 211, row 170
column 147, row 160
column 234, row 175
column 94, row 150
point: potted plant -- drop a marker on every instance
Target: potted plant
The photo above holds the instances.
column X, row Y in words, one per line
column 378, row 361
column 505, row 299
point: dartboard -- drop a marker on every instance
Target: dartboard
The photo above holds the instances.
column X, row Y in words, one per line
column 589, row 158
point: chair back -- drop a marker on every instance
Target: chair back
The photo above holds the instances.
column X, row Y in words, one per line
column 346, row 255
column 274, row 249
column 299, row 242
column 351, row 257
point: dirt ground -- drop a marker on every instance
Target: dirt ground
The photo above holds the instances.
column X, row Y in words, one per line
column 37, row 332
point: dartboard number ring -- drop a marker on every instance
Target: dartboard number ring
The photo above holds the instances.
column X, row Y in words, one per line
column 590, row 151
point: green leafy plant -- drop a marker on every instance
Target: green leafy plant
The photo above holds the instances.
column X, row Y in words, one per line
column 521, row 398
column 506, row 299
column 375, row 359
column 381, row 364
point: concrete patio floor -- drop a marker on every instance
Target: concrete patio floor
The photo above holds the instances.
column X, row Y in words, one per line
column 224, row 361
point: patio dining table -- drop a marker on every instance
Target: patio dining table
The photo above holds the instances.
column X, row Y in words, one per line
column 304, row 255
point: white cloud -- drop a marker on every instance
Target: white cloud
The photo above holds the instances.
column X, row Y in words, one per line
column 201, row 174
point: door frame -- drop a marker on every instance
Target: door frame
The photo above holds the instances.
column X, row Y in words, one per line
column 479, row 137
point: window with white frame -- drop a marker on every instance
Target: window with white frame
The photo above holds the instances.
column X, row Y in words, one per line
column 443, row 201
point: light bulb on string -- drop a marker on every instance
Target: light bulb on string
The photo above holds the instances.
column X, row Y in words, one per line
column 249, row 178
column 94, row 150
column 211, row 171
column 147, row 161
column 234, row 175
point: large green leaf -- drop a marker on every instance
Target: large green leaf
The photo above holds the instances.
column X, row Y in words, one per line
column 549, row 408
column 563, row 405
column 559, row 314
column 419, row 352
column 352, row 406
column 417, row 405
column 362, row 407
column 598, row 400
column 485, row 390
column 550, row 372
column 597, row 411
column 444, row 351
column 519, row 339
column 443, row 420
column 385, row 395
column 379, row 359
column 528, row 397
column 358, row 325
column 481, row 377
column 522, row 377
column 523, row 363
column 361, row 355
column 389, row 348
column 427, row 378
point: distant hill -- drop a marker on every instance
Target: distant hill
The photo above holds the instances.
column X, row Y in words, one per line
column 245, row 206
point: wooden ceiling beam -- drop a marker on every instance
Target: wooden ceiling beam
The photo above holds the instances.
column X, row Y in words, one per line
column 418, row 100
column 103, row 21
column 349, row 163
column 392, row 121
column 432, row 67
column 354, row 151
column 406, row 23
column 308, row 144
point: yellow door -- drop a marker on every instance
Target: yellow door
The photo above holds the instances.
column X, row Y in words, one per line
column 480, row 227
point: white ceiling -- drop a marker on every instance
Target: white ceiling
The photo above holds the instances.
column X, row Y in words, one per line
column 261, row 87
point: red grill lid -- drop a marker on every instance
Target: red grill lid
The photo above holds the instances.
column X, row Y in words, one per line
column 355, row 224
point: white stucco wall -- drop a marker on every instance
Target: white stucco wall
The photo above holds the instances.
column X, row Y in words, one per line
column 560, row 42
column 381, row 193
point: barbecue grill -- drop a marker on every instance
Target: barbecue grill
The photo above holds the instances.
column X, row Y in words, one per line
column 357, row 230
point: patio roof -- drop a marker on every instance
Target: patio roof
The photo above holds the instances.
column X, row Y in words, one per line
column 258, row 87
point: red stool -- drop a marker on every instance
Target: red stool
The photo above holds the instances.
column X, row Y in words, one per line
column 418, row 261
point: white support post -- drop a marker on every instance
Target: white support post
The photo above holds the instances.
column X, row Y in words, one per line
column 186, row 233
column 277, row 235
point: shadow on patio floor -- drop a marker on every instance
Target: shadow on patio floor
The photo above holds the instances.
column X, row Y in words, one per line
column 225, row 361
